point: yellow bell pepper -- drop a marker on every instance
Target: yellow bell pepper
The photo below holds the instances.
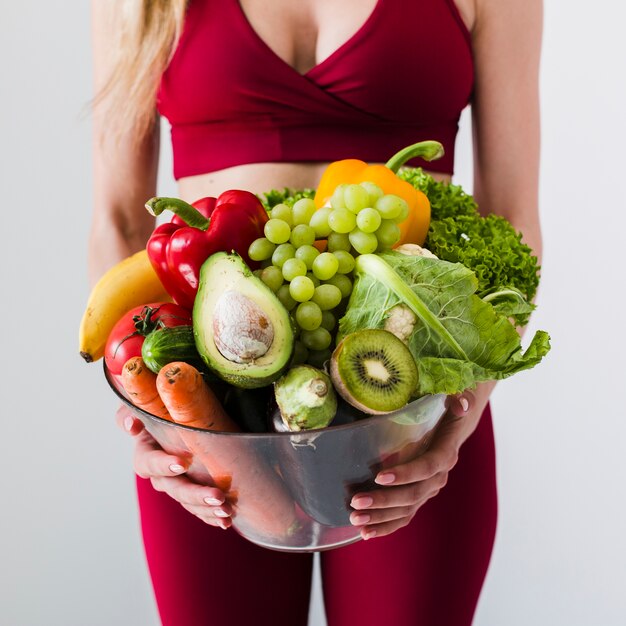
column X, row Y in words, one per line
column 348, row 171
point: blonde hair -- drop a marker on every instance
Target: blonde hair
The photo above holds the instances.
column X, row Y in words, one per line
column 146, row 33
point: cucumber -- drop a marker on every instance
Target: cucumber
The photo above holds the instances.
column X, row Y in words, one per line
column 166, row 345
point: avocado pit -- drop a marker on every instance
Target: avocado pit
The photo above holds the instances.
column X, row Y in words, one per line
column 242, row 331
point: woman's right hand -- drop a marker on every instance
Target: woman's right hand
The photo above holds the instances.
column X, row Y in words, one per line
column 166, row 473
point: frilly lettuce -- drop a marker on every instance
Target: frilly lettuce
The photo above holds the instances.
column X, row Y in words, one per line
column 488, row 245
column 458, row 339
column 287, row 196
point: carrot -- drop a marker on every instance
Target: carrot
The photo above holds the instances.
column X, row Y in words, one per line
column 140, row 385
column 263, row 503
column 190, row 400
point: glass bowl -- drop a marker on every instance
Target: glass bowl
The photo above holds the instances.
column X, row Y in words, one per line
column 291, row 491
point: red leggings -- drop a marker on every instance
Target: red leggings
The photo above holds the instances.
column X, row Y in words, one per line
column 429, row 573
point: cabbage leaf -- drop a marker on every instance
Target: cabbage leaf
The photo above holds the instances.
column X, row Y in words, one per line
column 458, row 339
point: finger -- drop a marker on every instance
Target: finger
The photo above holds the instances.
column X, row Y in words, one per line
column 189, row 493
column 462, row 403
column 373, row 517
column 385, row 528
column 406, row 495
column 128, row 422
column 431, row 463
column 151, row 460
column 442, row 456
column 208, row 517
column 379, row 527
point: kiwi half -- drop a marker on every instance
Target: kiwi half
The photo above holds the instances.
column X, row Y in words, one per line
column 374, row 371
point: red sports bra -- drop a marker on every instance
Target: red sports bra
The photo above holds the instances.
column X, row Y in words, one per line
column 403, row 77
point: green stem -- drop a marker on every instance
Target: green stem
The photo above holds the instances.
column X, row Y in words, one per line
column 373, row 265
column 427, row 150
column 494, row 295
column 189, row 214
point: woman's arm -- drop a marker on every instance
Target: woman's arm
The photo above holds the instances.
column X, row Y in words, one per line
column 505, row 112
column 125, row 174
column 125, row 168
column 506, row 44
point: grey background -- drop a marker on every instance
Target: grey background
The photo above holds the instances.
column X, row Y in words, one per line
column 70, row 552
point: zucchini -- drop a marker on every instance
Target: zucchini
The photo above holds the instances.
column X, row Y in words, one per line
column 166, row 345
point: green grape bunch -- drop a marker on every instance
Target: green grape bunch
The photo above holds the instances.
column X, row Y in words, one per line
column 308, row 257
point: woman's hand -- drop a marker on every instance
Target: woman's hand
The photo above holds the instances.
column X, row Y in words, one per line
column 410, row 485
column 166, row 473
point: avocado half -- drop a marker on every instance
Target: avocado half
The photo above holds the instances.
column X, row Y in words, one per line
column 242, row 331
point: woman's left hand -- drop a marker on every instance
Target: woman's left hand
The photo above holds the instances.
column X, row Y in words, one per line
column 409, row 485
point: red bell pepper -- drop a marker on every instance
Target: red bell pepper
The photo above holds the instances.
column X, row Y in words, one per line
column 177, row 249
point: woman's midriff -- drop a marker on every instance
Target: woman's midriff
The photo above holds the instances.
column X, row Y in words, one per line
column 258, row 178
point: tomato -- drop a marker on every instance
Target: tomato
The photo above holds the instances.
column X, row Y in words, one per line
column 128, row 334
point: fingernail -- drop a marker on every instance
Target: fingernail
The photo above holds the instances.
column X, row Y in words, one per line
column 128, row 423
column 220, row 513
column 175, row 468
column 385, row 479
column 360, row 519
column 368, row 534
column 463, row 401
column 213, row 501
column 222, row 524
column 362, row 502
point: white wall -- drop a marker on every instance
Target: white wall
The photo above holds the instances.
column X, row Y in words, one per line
column 69, row 543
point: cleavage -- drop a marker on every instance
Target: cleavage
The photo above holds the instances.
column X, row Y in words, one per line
column 304, row 34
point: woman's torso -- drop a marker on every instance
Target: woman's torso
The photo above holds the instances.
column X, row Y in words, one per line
column 301, row 36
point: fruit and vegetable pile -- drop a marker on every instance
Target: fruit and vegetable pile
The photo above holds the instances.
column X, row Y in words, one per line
column 304, row 309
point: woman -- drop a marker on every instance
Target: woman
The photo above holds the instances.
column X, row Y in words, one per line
column 262, row 95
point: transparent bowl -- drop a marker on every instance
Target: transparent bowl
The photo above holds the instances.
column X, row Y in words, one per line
column 291, row 491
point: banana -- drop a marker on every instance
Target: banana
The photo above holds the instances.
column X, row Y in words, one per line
column 130, row 283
